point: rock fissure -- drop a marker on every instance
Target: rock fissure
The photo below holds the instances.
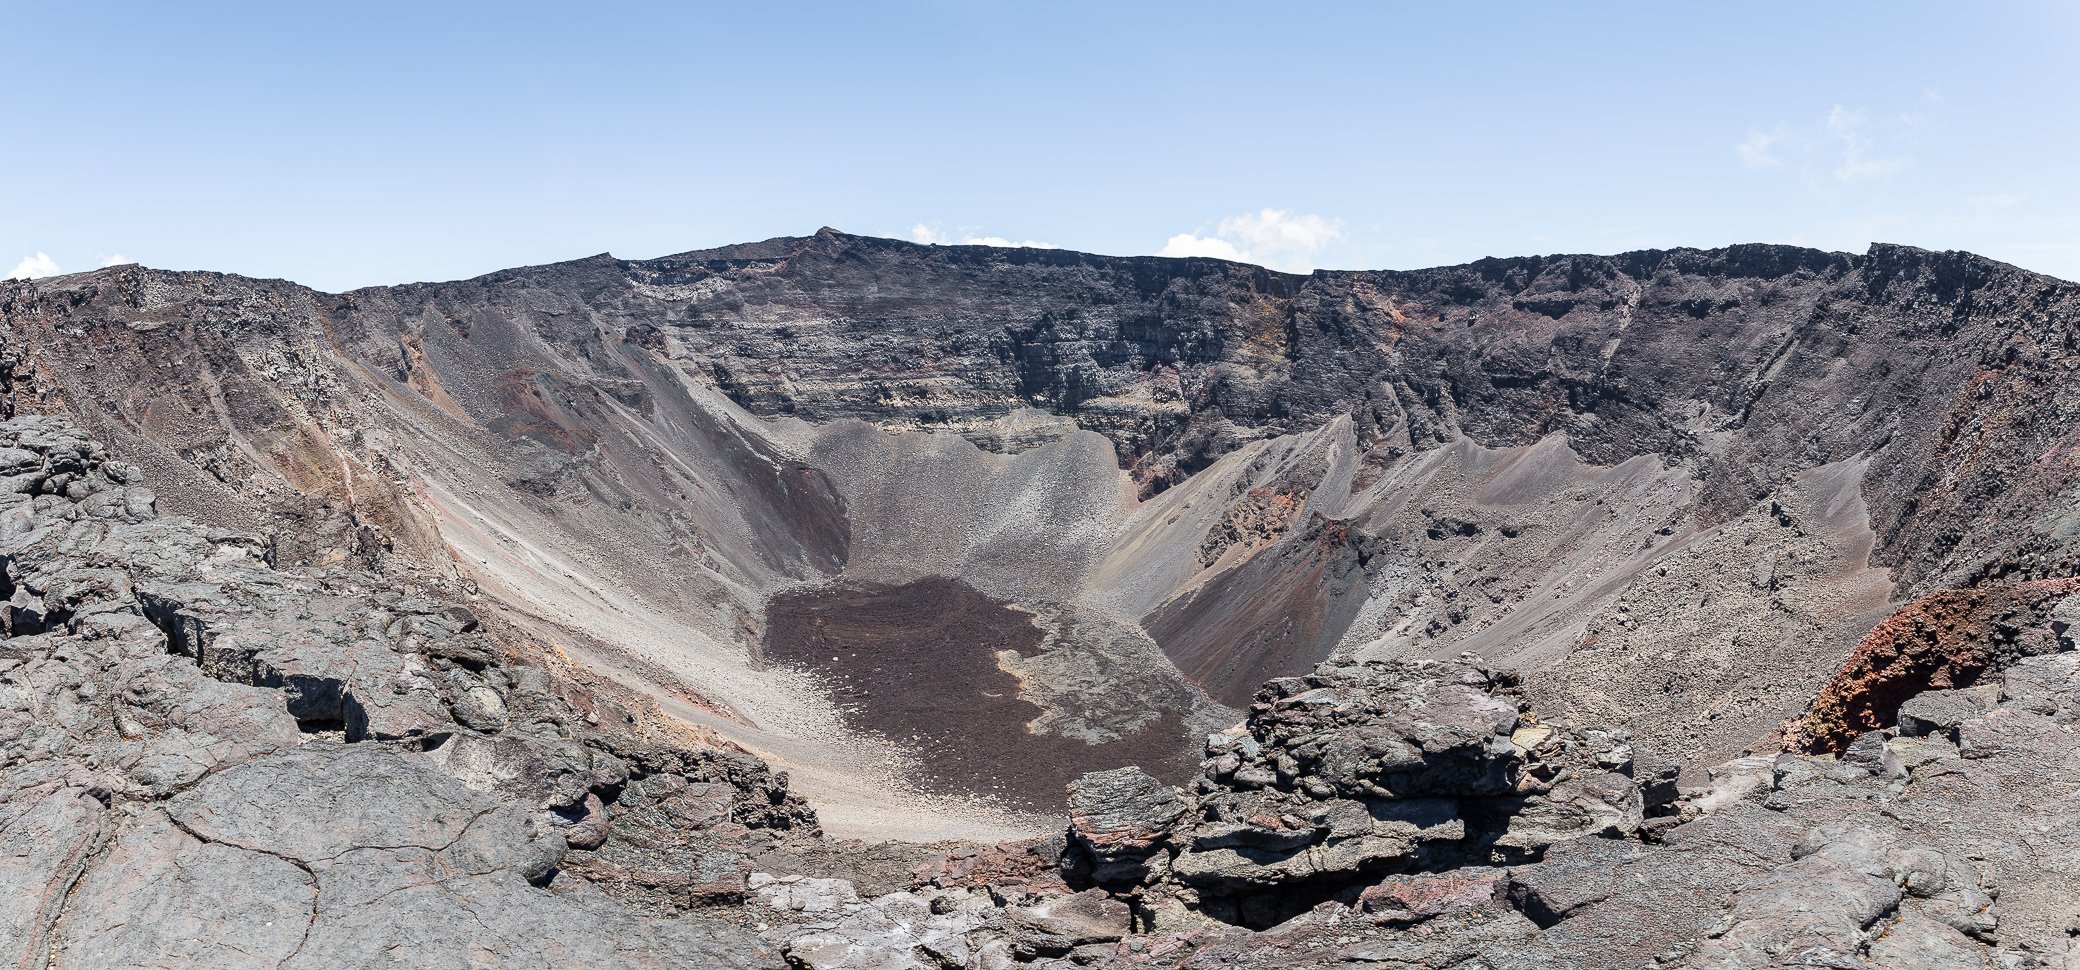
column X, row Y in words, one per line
column 67, row 885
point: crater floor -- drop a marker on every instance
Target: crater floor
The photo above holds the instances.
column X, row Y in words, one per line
column 918, row 664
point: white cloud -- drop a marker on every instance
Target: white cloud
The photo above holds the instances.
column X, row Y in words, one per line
column 1845, row 146
column 1279, row 230
column 1758, row 150
column 1277, row 238
column 115, row 260
column 934, row 236
column 34, row 267
column 1186, row 244
column 1995, row 200
column 1004, row 243
column 1850, row 130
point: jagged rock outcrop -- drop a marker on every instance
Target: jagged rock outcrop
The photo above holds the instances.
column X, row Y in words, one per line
column 1535, row 855
column 1941, row 641
column 1350, row 773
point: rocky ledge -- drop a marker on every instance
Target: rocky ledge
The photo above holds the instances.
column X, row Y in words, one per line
column 1352, row 773
column 1416, row 815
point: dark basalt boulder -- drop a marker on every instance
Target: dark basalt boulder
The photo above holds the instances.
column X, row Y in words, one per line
column 1119, row 822
column 1352, row 773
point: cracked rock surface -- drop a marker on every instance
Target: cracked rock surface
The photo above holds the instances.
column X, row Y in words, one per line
column 207, row 762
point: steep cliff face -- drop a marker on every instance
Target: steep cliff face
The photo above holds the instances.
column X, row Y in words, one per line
column 1674, row 487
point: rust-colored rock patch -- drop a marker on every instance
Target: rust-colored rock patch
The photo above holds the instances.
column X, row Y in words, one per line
column 1946, row 639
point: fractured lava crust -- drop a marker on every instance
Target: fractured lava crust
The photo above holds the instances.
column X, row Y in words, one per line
column 211, row 763
column 492, row 583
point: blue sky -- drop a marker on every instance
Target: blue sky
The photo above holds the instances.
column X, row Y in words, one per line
column 344, row 145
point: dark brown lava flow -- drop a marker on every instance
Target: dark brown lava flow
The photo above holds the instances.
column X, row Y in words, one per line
column 917, row 663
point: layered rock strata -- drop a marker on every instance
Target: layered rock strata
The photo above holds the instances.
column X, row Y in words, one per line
column 1354, row 772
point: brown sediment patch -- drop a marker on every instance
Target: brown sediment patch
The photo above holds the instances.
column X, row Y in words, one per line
column 529, row 412
column 917, row 664
column 1261, row 517
column 1946, row 639
column 1276, row 613
column 421, row 376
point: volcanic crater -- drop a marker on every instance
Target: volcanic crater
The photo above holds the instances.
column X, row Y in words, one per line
column 937, row 528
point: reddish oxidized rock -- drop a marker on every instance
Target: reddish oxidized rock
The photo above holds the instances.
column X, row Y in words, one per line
column 1944, row 640
column 1419, row 897
column 1030, row 864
